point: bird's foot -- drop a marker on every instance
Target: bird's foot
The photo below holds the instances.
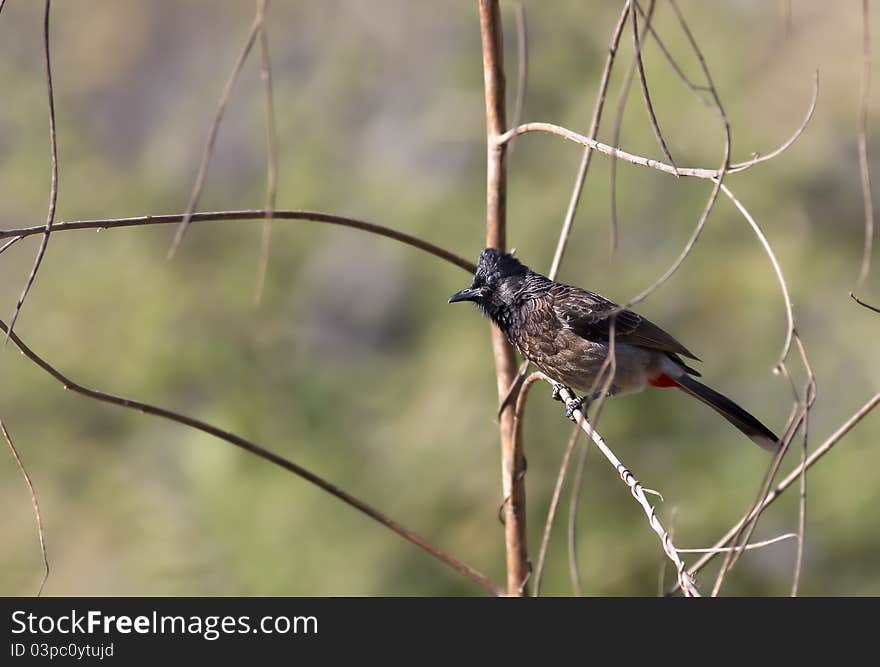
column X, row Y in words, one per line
column 556, row 392
column 574, row 405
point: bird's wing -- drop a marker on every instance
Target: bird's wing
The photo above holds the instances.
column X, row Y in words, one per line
column 589, row 315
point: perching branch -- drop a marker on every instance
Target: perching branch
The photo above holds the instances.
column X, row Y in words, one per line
column 685, row 579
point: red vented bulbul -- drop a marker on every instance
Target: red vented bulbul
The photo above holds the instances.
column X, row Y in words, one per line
column 564, row 331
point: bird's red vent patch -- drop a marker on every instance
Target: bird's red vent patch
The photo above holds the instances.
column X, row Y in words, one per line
column 662, row 380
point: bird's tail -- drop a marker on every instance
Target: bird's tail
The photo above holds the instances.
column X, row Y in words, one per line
column 755, row 430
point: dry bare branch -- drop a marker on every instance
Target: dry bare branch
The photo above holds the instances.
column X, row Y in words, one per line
column 512, row 463
column 554, row 506
column 53, row 191
column 777, row 269
column 573, row 505
column 208, row 149
column 694, row 172
column 792, row 477
column 697, row 90
column 685, row 579
column 522, row 63
column 260, row 452
column 748, row 547
column 876, row 309
column 622, row 100
column 36, row 505
column 864, row 170
column 807, row 403
column 256, row 214
column 646, row 94
column 565, row 232
column 271, row 149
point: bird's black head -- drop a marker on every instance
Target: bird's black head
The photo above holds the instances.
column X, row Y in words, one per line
column 496, row 285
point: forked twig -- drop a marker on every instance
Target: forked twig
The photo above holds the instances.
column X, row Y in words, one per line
column 643, row 80
column 694, row 172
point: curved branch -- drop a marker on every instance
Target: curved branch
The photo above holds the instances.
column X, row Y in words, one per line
column 694, row 172
column 260, row 452
column 255, row 214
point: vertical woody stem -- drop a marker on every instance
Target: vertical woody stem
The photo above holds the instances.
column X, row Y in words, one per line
column 512, row 463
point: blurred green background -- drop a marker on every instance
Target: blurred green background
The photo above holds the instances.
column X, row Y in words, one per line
column 353, row 365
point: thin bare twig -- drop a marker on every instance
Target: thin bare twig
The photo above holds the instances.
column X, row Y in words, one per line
column 573, row 505
column 11, row 242
column 808, row 400
column 271, row 149
column 789, row 313
column 565, row 232
column 864, row 94
column 53, row 192
column 694, row 172
column 36, row 505
column 512, row 462
column 876, row 309
column 208, row 149
column 554, row 505
column 522, row 63
column 622, row 100
column 725, row 166
column 697, row 90
column 643, row 79
column 792, row 477
column 260, row 452
column 748, row 547
column 257, row 214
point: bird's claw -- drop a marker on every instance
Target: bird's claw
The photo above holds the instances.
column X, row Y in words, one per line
column 573, row 406
column 556, row 392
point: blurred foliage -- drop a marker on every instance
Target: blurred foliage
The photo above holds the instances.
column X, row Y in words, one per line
column 353, row 365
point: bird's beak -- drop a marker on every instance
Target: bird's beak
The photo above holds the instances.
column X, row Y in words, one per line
column 468, row 294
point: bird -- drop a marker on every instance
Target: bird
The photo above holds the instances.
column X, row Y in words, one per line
column 566, row 332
